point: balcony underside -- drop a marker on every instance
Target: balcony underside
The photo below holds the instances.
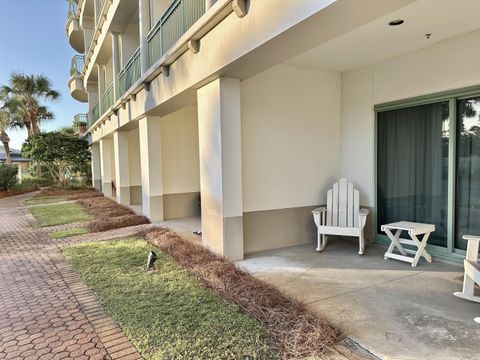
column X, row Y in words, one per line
column 75, row 35
column 77, row 90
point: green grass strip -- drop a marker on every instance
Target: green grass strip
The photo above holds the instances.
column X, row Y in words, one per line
column 49, row 215
column 167, row 314
column 38, row 200
column 69, row 232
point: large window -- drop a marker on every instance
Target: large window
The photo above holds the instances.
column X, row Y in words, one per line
column 428, row 166
column 413, row 167
column 467, row 209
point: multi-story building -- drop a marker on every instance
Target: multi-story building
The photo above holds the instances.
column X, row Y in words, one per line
column 257, row 106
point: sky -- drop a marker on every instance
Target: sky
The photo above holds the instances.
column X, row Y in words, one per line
column 33, row 41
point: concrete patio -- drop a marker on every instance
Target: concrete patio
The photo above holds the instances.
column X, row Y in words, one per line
column 393, row 310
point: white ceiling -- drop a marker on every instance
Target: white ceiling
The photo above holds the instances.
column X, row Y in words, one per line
column 376, row 41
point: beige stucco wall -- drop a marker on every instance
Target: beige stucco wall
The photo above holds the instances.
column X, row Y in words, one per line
column 450, row 64
column 129, row 43
column 179, row 137
column 290, row 137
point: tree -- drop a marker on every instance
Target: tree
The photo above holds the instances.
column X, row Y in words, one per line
column 60, row 154
column 25, row 94
column 67, row 130
column 4, row 139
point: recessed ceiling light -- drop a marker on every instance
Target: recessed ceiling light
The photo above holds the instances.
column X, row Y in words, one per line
column 396, row 22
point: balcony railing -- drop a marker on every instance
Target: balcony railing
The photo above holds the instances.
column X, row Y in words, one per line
column 80, row 121
column 129, row 74
column 93, row 115
column 107, row 99
column 179, row 17
column 72, row 8
column 76, row 66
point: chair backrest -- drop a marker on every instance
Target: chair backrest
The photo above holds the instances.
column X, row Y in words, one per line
column 343, row 205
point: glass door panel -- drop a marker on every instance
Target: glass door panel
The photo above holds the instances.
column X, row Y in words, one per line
column 412, row 167
column 467, row 207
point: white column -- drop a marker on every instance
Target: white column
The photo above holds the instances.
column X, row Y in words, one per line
column 106, row 166
column 115, row 62
column 96, row 174
column 144, row 28
column 151, row 167
column 122, row 169
column 101, row 83
column 219, row 131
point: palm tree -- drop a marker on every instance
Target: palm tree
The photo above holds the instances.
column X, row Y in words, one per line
column 4, row 139
column 25, row 94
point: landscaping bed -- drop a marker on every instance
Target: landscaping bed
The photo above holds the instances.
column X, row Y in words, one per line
column 167, row 314
column 296, row 332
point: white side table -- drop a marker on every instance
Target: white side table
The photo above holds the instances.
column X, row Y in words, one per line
column 472, row 271
column 414, row 230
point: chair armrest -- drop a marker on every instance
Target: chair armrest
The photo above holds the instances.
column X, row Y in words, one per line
column 319, row 210
column 363, row 212
column 471, row 237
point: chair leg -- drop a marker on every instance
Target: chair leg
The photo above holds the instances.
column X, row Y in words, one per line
column 361, row 241
column 321, row 242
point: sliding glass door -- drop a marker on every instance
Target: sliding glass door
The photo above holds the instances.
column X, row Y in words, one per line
column 412, row 167
column 467, row 209
column 428, row 166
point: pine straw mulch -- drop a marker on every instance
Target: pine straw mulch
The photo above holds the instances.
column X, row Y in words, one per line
column 110, row 215
column 72, row 194
column 295, row 332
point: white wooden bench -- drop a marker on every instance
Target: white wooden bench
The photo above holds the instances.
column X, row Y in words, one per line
column 414, row 230
column 342, row 216
column 472, row 271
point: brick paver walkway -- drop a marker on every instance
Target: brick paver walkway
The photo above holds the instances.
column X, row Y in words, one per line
column 46, row 312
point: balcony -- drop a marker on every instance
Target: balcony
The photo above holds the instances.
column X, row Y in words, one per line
column 77, row 90
column 80, row 123
column 129, row 74
column 93, row 115
column 179, row 17
column 74, row 31
column 107, row 99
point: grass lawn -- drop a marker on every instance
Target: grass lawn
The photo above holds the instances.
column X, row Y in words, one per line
column 48, row 215
column 69, row 232
column 167, row 314
column 37, row 200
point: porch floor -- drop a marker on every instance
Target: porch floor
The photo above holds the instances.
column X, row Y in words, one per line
column 391, row 309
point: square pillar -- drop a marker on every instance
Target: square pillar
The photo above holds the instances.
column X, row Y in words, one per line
column 115, row 63
column 96, row 175
column 219, row 131
column 106, row 166
column 151, row 167
column 122, row 169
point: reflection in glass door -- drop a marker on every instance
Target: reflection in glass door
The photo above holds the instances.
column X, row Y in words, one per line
column 412, row 167
column 467, row 209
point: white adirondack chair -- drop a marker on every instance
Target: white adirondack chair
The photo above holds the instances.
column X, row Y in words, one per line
column 342, row 216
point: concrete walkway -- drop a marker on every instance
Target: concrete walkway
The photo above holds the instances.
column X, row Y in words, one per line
column 386, row 306
column 46, row 312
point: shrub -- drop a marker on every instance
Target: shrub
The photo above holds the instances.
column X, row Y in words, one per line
column 8, row 176
column 117, row 222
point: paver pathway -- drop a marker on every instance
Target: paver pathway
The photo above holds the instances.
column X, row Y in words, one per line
column 46, row 312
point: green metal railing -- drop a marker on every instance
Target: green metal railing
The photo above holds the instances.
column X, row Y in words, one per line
column 79, row 120
column 107, row 99
column 93, row 115
column 179, row 17
column 72, row 8
column 129, row 74
column 76, row 66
